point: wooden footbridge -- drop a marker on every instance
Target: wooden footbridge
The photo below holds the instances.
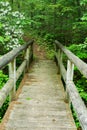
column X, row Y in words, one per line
column 41, row 103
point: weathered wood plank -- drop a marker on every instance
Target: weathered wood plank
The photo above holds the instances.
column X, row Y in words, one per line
column 70, row 71
column 78, row 104
column 12, row 74
column 5, row 90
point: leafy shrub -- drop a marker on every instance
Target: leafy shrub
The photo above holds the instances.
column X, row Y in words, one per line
column 75, row 117
column 49, row 37
column 80, row 82
column 11, row 24
column 3, row 79
column 4, row 108
column 79, row 50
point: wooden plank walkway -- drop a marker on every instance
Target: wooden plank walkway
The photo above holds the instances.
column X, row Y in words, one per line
column 40, row 105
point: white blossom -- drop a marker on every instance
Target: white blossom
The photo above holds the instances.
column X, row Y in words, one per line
column 11, row 24
column 18, row 22
column 7, row 33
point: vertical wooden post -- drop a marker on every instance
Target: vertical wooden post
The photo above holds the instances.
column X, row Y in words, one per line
column 70, row 71
column 56, row 50
column 69, row 76
column 59, row 60
column 12, row 75
column 31, row 53
column 27, row 58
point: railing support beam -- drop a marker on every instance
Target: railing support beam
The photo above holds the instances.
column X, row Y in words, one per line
column 12, row 74
column 70, row 71
column 27, row 58
column 69, row 78
column 60, row 60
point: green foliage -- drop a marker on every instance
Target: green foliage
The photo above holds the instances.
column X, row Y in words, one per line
column 75, row 117
column 49, row 38
column 50, row 53
column 79, row 50
column 46, row 42
column 28, row 98
column 3, row 79
column 80, row 82
column 79, row 32
column 63, row 20
column 11, row 26
column 1, row 39
column 4, row 108
column 83, row 2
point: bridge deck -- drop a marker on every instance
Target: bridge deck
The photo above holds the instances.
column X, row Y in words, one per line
column 41, row 105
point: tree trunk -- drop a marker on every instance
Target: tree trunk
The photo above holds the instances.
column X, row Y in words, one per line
column 55, row 16
column 79, row 9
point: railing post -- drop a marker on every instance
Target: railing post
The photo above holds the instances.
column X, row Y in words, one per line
column 56, row 50
column 27, row 58
column 59, row 60
column 12, row 75
column 58, row 57
column 31, row 53
column 69, row 75
column 70, row 71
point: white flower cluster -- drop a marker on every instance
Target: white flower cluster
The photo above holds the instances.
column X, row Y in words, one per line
column 11, row 26
column 4, row 8
column 18, row 15
column 4, row 4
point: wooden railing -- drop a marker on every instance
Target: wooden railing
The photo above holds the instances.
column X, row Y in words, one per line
column 10, row 59
column 67, row 75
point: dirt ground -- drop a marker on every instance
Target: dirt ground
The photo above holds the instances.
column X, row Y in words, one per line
column 39, row 51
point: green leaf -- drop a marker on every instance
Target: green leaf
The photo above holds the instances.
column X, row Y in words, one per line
column 1, row 39
column 7, row 38
column 1, row 25
column 28, row 98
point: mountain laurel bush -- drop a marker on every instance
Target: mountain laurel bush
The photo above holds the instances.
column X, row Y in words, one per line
column 11, row 26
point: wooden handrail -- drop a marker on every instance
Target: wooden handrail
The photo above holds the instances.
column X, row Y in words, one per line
column 82, row 66
column 5, row 59
column 10, row 58
column 67, row 76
